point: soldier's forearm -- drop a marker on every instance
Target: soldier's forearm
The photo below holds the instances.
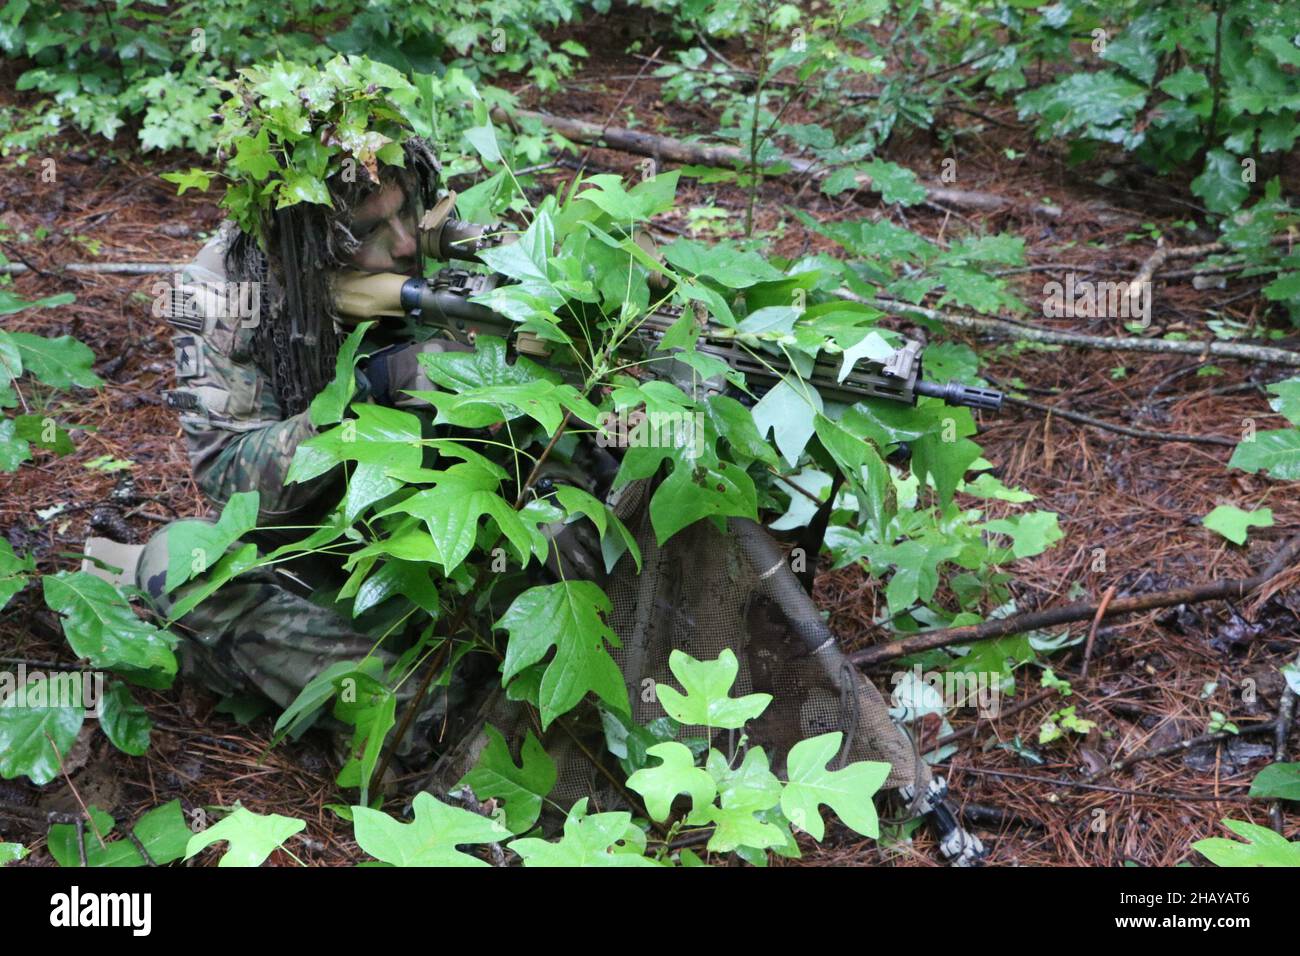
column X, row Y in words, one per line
column 258, row 460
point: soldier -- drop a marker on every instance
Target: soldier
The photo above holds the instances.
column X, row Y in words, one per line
column 245, row 379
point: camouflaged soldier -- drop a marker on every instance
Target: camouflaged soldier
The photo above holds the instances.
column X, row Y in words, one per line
column 257, row 340
column 243, row 415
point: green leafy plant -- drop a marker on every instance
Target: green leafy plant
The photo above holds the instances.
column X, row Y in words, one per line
column 1233, row 522
column 1275, row 453
column 1263, row 847
column 101, row 68
column 101, row 628
column 424, row 517
column 251, row 837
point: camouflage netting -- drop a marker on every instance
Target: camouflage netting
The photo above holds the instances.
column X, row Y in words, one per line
column 702, row 592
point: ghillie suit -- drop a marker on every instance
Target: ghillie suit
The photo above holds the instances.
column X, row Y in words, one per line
column 705, row 591
column 298, row 341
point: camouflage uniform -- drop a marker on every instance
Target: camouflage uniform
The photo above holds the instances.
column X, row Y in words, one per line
column 268, row 632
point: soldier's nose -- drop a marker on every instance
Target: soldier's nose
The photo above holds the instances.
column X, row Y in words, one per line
column 403, row 239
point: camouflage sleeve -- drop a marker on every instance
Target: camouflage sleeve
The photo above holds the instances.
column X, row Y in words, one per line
column 237, row 437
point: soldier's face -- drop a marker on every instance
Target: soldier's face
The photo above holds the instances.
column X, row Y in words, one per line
column 385, row 224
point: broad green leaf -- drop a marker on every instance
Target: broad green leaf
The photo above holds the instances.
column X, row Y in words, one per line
column 848, row 792
column 162, row 831
column 43, row 432
column 1263, row 847
column 522, row 787
column 372, row 715
column 676, row 773
column 735, row 423
column 487, row 389
column 1221, row 184
column 1276, row 453
column 388, row 436
column 252, row 837
column 788, row 411
column 739, row 827
column 199, row 179
column 124, row 720
column 751, row 786
column 571, row 617
column 11, row 853
column 722, row 262
column 451, row 510
column 895, row 183
column 11, row 302
column 708, row 685
column 1102, row 105
column 1279, row 781
column 14, row 450
column 1031, row 533
column 916, row 569
column 60, row 362
column 193, row 546
column 101, row 628
column 319, row 691
column 430, row 839
column 328, row 407
column 14, row 571
column 987, row 485
column 698, row 490
column 601, row 839
column 747, row 795
column 1288, row 398
column 945, row 462
column 230, row 566
column 1232, row 522
column 44, row 709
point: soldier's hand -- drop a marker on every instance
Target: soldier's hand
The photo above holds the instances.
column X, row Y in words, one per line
column 394, row 371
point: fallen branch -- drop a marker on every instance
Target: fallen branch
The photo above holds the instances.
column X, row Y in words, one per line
column 103, row 268
column 1008, row 329
column 1103, row 788
column 1179, row 747
column 1070, row 613
column 698, row 154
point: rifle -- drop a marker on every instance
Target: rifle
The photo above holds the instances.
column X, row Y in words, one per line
column 443, row 303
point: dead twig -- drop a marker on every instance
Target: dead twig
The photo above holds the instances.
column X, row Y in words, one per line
column 1007, row 329
column 1092, row 632
column 1179, row 747
column 1129, row 430
column 697, row 154
column 1022, row 623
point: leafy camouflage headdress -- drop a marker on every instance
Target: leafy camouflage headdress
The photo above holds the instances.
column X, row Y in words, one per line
column 302, row 146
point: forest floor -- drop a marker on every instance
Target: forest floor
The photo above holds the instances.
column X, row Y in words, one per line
column 1154, row 679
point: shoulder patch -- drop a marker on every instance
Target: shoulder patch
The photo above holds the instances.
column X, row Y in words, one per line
column 189, row 356
column 182, row 401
